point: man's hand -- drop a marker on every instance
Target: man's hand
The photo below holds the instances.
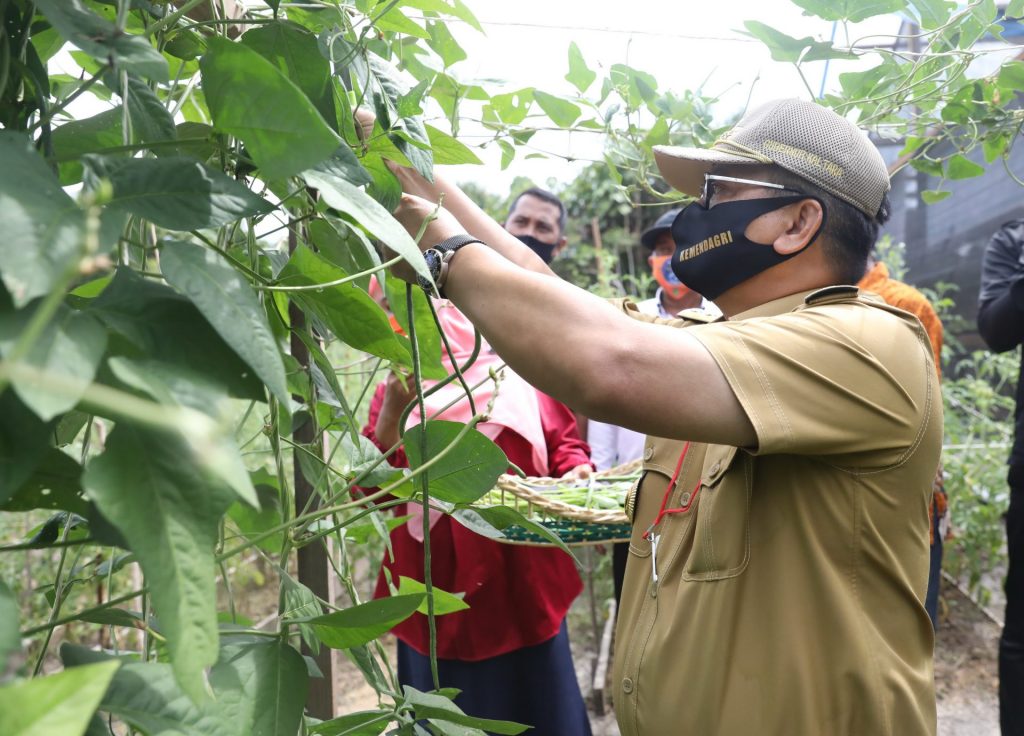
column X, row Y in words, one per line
column 412, row 212
column 580, row 472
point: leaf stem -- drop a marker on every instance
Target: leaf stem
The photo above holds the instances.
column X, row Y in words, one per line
column 424, row 487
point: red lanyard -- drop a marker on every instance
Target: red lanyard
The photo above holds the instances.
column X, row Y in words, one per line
column 663, row 512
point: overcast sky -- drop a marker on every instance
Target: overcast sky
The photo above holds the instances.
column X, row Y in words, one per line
column 681, row 43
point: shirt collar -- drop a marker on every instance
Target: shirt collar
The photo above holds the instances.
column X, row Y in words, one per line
column 776, row 306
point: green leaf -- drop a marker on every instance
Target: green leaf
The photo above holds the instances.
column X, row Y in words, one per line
column 442, row 42
column 358, row 456
column 448, row 150
column 454, row 8
column 259, row 689
column 345, row 245
column 933, row 13
column 344, row 165
column 146, row 696
column 69, row 350
column 102, row 39
column 230, row 306
column 1015, row 9
column 851, row 10
column 787, row 48
column 283, row 133
column 262, row 685
column 362, row 533
column 444, row 602
column 468, row 471
column 360, row 206
column 508, row 153
column 55, row 484
column 295, row 52
column 150, row 119
column 177, row 192
column 394, row 21
column 24, row 441
column 434, row 706
column 931, row 196
column 995, row 146
column 361, row 624
column 363, row 723
column 88, row 135
column 562, row 112
column 490, row 521
column 114, row 617
column 154, row 322
column 152, row 489
column 511, row 107
column 58, row 705
column 43, row 227
column 10, row 638
column 252, row 522
column 961, row 167
column 298, row 601
column 348, row 310
column 580, row 75
column 427, row 336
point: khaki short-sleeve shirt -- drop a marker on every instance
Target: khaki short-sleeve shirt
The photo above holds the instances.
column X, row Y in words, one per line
column 790, row 595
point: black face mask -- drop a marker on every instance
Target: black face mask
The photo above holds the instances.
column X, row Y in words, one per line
column 713, row 253
column 545, row 250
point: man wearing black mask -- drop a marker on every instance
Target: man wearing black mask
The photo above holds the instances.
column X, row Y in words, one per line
column 537, row 217
column 780, row 548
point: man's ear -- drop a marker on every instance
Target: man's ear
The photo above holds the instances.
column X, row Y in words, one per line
column 559, row 246
column 802, row 220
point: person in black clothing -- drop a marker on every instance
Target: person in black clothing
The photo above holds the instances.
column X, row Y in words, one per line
column 1001, row 324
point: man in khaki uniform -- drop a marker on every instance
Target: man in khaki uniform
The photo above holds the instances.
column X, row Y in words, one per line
column 779, row 558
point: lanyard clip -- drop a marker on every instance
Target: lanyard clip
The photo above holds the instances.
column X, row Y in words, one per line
column 654, row 558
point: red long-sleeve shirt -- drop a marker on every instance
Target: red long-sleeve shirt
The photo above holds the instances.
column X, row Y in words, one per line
column 518, row 595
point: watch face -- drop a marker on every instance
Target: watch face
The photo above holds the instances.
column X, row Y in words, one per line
column 433, row 259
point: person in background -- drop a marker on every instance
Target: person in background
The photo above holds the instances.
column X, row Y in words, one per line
column 538, row 218
column 1001, row 324
column 909, row 299
column 508, row 653
column 611, row 445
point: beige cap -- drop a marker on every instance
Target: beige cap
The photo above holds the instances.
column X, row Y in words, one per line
column 802, row 137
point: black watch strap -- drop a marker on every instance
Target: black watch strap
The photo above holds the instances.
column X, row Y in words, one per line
column 438, row 257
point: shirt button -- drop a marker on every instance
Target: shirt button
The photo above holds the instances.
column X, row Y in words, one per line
column 648, row 453
column 627, row 685
column 715, row 468
column 685, row 499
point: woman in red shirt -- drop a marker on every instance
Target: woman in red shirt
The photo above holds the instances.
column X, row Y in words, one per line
column 509, row 651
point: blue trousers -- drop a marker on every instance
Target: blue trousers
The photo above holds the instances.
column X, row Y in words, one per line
column 533, row 685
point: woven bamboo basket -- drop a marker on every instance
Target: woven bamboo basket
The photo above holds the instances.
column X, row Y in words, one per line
column 539, row 499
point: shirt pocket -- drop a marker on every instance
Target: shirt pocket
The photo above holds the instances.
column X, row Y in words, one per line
column 721, row 543
column 638, row 545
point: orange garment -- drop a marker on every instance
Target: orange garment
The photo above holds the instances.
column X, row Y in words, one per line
column 909, row 299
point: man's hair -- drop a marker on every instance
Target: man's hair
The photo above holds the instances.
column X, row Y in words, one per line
column 848, row 235
column 544, row 196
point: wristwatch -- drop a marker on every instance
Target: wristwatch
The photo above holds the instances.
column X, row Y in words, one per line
column 438, row 258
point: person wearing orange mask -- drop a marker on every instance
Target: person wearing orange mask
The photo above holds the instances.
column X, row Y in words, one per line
column 611, row 445
column 672, row 296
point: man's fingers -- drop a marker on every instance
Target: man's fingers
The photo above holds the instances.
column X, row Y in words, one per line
column 365, row 120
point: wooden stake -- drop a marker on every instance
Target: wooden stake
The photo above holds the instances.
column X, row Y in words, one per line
column 313, row 567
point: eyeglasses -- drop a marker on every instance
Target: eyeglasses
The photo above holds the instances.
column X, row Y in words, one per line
column 711, row 182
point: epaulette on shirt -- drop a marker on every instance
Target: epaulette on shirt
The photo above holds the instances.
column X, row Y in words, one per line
column 696, row 314
column 829, row 294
